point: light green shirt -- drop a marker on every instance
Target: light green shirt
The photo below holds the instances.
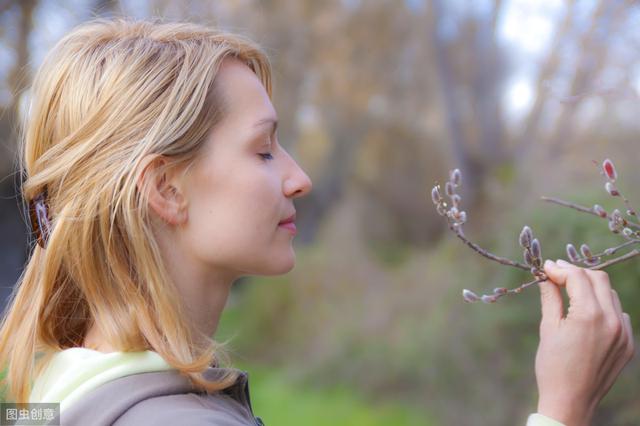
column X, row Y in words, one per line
column 73, row 372
column 540, row 420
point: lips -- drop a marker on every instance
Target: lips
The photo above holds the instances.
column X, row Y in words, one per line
column 290, row 219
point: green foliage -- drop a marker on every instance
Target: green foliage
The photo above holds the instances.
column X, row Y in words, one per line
column 280, row 401
column 278, row 397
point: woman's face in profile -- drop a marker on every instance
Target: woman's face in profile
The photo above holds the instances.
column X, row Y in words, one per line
column 244, row 184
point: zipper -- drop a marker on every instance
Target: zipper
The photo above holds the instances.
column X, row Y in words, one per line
column 247, row 397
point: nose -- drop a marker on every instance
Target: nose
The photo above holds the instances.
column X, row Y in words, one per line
column 298, row 183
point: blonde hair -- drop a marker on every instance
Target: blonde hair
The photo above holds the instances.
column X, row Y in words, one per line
column 111, row 93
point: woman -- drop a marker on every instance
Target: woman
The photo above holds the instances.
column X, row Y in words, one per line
column 156, row 180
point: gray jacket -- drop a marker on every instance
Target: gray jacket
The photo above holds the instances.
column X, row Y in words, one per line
column 164, row 398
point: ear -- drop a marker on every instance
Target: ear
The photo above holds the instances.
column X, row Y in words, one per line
column 164, row 190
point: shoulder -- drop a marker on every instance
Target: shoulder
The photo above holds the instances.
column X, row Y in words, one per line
column 188, row 409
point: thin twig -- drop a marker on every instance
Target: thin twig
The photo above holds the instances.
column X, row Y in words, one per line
column 613, row 250
column 525, row 285
column 583, row 209
column 487, row 254
column 543, row 277
column 631, row 254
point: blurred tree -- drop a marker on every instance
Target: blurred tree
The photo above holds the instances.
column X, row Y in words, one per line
column 17, row 35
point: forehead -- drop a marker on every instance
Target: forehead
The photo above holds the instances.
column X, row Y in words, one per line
column 245, row 97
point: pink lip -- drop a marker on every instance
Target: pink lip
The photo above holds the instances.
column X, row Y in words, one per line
column 289, row 226
column 291, row 218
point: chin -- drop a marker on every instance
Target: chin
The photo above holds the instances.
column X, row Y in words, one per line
column 280, row 266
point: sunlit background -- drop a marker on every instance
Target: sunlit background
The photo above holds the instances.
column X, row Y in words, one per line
column 377, row 101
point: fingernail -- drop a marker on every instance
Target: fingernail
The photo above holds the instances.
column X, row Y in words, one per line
column 548, row 263
column 562, row 262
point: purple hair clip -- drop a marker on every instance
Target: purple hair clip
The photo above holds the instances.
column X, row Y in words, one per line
column 40, row 221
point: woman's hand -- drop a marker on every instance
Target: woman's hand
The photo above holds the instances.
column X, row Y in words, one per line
column 581, row 354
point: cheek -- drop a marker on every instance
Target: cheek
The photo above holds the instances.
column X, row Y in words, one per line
column 236, row 217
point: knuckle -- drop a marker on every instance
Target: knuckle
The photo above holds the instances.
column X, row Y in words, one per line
column 601, row 278
column 600, row 275
column 579, row 274
column 581, row 271
column 594, row 315
column 614, row 328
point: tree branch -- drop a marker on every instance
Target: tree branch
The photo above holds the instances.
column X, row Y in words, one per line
column 487, row 254
column 631, row 254
column 582, row 209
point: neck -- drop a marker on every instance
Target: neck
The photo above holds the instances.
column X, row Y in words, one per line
column 204, row 292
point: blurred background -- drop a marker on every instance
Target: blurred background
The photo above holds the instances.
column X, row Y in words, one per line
column 377, row 100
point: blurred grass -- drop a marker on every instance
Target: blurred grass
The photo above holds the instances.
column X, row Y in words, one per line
column 279, row 399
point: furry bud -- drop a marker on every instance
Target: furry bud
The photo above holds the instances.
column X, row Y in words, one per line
column 586, row 251
column 448, row 189
column 572, row 253
column 455, row 177
column 435, row 195
column 616, row 215
column 488, row 299
column 525, row 237
column 527, row 258
column 628, row 232
column 599, row 210
column 455, row 200
column 592, row 261
column 469, row 296
column 613, row 227
column 500, row 290
column 611, row 189
column 462, row 217
column 536, row 251
column 609, row 170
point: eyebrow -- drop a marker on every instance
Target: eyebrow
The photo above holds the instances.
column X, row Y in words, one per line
column 267, row 121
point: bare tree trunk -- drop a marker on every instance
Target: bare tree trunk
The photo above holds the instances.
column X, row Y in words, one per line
column 590, row 64
column 547, row 71
column 486, row 90
column 463, row 160
column 18, row 79
column 13, row 246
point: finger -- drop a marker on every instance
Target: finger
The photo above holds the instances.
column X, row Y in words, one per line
column 602, row 290
column 629, row 331
column 579, row 286
column 551, row 303
column 620, row 359
column 616, row 303
column 618, row 307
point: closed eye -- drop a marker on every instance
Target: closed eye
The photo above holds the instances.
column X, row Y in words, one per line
column 266, row 156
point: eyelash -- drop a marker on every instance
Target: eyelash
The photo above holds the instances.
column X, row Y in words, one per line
column 267, row 156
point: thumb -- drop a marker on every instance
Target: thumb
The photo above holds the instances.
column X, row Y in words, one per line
column 550, row 301
column 556, row 272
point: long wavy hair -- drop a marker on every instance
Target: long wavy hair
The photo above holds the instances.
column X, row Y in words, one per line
column 110, row 94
